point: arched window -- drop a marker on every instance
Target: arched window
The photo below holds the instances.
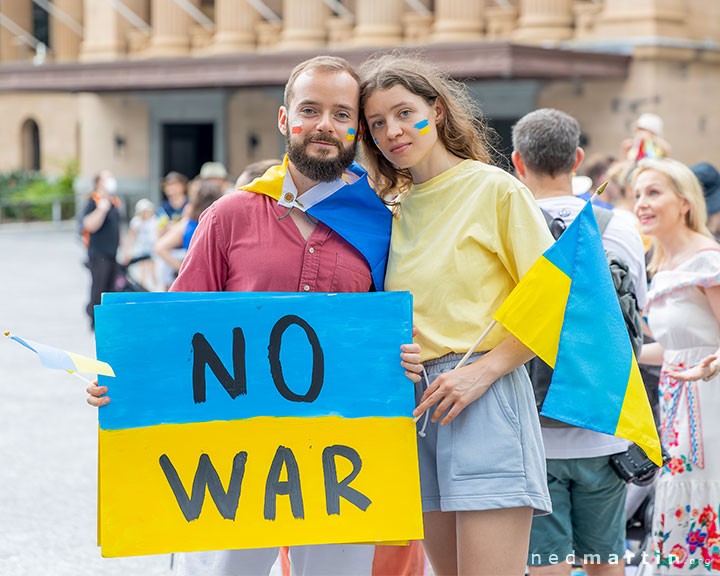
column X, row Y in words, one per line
column 30, row 145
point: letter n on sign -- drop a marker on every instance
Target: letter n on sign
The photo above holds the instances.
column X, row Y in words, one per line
column 255, row 420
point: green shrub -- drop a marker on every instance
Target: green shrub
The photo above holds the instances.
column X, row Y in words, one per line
column 30, row 196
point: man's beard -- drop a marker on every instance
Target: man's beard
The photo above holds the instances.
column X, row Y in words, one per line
column 316, row 168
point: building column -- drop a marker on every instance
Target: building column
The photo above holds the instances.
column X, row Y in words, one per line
column 304, row 24
column 500, row 22
column 102, row 40
column 12, row 48
column 65, row 42
column 643, row 18
column 171, row 27
column 458, row 20
column 378, row 22
column 544, row 21
column 234, row 27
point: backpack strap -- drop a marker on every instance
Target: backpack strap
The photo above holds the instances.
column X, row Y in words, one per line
column 556, row 225
column 603, row 217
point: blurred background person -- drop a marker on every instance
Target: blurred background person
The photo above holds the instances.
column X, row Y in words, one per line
column 647, row 140
column 217, row 173
column 101, row 231
column 175, row 193
column 172, row 246
column 684, row 317
column 255, row 170
column 710, row 180
column 141, row 237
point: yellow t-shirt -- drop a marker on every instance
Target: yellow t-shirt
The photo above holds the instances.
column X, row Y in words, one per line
column 461, row 243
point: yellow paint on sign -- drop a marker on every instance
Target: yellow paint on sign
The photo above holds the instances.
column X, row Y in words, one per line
column 140, row 513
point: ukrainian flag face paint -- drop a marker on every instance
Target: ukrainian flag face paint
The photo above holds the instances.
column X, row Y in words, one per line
column 350, row 135
column 423, row 126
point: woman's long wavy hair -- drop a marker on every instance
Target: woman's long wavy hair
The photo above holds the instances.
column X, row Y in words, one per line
column 686, row 186
column 461, row 128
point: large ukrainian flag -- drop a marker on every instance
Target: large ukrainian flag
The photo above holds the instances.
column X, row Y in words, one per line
column 565, row 309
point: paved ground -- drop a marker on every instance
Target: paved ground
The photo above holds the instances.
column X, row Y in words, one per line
column 48, row 435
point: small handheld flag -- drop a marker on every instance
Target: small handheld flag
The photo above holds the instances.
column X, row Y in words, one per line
column 58, row 359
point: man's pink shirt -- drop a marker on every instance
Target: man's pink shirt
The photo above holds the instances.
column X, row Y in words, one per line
column 241, row 246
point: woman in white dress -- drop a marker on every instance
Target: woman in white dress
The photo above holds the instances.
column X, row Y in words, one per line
column 684, row 318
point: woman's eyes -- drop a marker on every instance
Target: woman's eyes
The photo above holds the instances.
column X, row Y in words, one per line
column 651, row 192
column 404, row 114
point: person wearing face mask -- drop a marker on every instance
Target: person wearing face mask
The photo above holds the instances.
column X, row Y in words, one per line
column 101, row 231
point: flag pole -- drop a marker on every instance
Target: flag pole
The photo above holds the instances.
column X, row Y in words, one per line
column 81, row 377
column 475, row 345
column 599, row 191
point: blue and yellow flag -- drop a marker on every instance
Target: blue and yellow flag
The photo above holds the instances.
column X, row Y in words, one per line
column 565, row 309
column 354, row 211
column 58, row 359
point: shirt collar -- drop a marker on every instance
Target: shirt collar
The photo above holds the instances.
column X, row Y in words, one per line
column 318, row 193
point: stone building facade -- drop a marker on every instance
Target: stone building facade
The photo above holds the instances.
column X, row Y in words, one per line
column 145, row 86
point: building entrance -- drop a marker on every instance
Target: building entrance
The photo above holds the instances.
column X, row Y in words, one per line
column 186, row 147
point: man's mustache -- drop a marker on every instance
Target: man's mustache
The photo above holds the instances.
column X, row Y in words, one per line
column 323, row 138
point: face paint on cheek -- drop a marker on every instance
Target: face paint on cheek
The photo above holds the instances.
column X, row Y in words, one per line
column 350, row 135
column 296, row 128
column 376, row 142
column 423, row 126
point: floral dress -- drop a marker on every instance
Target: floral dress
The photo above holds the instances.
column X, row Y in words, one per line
column 686, row 533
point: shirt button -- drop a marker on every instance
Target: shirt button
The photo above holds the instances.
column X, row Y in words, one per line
column 311, row 250
column 306, row 288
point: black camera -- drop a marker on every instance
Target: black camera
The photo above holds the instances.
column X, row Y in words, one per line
column 634, row 467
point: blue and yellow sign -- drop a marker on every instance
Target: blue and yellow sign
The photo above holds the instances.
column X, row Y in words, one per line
column 252, row 420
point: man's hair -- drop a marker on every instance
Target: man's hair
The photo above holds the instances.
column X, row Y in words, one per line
column 322, row 63
column 547, row 140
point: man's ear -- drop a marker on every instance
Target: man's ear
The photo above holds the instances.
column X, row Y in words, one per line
column 360, row 130
column 282, row 120
column 518, row 163
column 579, row 156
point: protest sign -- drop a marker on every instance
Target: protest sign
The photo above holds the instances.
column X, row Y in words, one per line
column 244, row 420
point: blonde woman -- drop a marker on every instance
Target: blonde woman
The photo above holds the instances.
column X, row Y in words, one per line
column 684, row 317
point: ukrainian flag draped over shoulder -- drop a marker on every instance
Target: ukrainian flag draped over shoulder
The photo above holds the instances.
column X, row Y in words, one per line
column 565, row 309
column 355, row 212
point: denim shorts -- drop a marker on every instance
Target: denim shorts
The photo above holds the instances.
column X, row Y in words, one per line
column 588, row 519
column 491, row 455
